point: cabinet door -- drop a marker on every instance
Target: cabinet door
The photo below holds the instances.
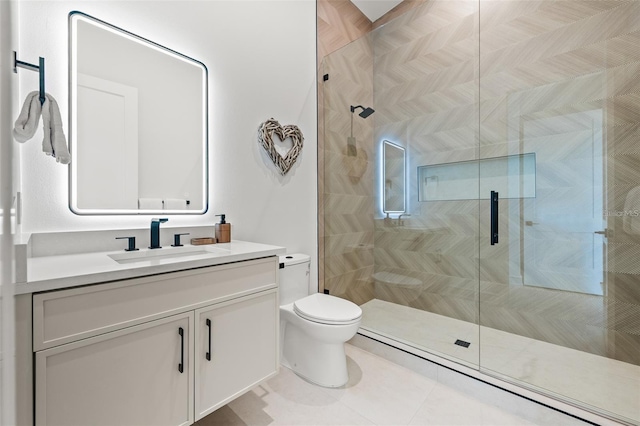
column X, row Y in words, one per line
column 139, row 375
column 241, row 338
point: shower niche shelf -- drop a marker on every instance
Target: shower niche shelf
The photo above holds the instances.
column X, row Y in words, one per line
column 513, row 176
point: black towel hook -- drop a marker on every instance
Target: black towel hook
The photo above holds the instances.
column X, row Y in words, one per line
column 39, row 68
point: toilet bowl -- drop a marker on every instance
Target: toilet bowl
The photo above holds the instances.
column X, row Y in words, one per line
column 396, row 288
column 313, row 328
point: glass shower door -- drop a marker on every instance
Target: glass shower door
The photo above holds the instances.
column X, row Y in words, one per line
column 425, row 281
column 560, row 288
column 536, row 101
column 346, row 173
column 413, row 267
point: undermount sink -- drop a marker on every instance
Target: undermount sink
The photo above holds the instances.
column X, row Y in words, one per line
column 166, row 253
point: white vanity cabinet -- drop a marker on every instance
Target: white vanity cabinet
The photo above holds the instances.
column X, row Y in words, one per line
column 234, row 349
column 139, row 375
column 134, row 352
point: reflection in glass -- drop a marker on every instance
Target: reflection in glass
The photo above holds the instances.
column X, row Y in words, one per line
column 394, row 178
column 138, row 124
column 513, row 177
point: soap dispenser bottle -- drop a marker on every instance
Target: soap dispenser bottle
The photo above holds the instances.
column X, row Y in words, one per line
column 223, row 230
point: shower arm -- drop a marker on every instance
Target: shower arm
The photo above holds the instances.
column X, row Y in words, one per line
column 366, row 112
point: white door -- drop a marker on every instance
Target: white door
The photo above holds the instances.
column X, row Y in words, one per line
column 127, row 377
column 236, row 348
column 107, row 148
column 564, row 229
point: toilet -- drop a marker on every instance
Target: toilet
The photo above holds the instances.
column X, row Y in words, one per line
column 313, row 328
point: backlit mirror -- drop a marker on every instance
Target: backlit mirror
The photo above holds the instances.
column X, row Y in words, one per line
column 394, row 178
column 138, row 124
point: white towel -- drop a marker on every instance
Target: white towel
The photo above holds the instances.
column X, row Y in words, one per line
column 175, row 204
column 27, row 122
column 631, row 220
column 54, row 142
column 150, row 204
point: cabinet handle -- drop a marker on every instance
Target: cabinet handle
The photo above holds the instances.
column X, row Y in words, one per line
column 208, row 354
column 494, row 217
column 181, row 365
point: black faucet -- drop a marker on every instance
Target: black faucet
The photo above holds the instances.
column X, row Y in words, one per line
column 155, row 232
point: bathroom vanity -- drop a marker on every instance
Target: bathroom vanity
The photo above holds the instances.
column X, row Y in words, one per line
column 145, row 338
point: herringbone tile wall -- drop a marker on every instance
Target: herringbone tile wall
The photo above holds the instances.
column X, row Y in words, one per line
column 348, row 179
column 462, row 80
column 426, row 99
column 452, row 93
column 559, row 78
column 339, row 22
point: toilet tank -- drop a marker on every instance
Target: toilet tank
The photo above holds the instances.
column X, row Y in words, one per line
column 294, row 277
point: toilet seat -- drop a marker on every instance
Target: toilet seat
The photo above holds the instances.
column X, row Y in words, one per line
column 326, row 309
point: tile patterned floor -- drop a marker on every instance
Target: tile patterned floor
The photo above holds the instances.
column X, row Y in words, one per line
column 601, row 382
column 380, row 392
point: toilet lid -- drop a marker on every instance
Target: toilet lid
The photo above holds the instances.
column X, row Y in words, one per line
column 327, row 309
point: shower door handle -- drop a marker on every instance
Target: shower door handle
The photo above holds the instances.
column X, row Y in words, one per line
column 494, row 217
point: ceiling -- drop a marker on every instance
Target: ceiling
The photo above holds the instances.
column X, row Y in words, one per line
column 374, row 9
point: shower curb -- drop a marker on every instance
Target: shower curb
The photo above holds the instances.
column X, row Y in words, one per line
column 436, row 368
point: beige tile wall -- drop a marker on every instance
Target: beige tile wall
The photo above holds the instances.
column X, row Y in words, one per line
column 426, row 95
column 559, row 59
column 339, row 23
column 348, row 179
column 398, row 10
column 342, row 192
column 549, row 61
column 451, row 93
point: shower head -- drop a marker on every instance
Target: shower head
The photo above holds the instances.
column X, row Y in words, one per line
column 352, row 151
column 366, row 112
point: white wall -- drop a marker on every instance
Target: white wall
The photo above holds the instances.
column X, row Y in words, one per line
column 8, row 96
column 261, row 61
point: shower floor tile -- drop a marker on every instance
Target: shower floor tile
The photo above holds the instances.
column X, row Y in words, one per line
column 380, row 392
column 585, row 378
column 432, row 332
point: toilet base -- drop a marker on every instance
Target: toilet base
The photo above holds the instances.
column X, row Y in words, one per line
column 321, row 363
column 313, row 350
column 306, row 379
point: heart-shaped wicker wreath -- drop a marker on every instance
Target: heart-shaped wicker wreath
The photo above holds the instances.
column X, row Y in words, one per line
column 265, row 138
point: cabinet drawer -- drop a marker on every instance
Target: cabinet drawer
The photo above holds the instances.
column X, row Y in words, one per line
column 64, row 316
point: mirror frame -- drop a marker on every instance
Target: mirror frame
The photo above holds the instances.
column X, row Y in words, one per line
column 386, row 143
column 73, row 174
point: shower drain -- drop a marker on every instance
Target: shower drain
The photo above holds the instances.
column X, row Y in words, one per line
column 462, row 343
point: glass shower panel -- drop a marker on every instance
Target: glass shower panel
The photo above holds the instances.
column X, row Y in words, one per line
column 460, row 180
column 425, row 260
column 347, row 172
column 560, row 291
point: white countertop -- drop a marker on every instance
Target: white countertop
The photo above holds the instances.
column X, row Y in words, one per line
column 56, row 272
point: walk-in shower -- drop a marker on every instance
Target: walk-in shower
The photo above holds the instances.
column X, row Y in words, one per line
column 535, row 100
